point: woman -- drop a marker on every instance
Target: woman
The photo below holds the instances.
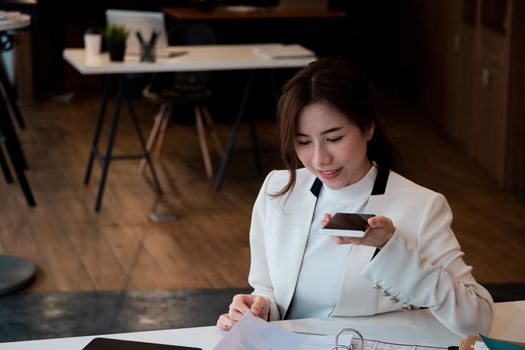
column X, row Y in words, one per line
column 409, row 256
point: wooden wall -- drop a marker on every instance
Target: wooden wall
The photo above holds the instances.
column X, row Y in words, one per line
column 466, row 69
column 515, row 163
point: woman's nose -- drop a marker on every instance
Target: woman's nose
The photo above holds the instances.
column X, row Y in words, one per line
column 321, row 157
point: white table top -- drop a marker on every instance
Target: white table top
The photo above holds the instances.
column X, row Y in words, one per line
column 20, row 21
column 209, row 57
column 414, row 327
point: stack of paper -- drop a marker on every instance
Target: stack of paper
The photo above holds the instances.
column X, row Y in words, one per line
column 252, row 333
column 283, row 52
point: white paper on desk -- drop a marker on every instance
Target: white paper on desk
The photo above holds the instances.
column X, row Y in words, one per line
column 479, row 345
column 283, row 52
column 252, row 333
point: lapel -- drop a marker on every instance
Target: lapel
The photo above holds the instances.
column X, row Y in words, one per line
column 300, row 221
column 356, row 293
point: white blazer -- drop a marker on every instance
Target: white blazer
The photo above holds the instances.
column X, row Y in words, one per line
column 421, row 265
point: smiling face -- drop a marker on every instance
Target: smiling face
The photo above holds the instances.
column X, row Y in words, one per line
column 332, row 147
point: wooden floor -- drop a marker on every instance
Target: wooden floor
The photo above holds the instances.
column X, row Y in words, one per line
column 76, row 249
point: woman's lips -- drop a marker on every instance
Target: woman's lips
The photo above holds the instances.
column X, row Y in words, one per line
column 330, row 174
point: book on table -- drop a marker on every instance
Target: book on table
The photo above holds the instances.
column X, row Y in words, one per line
column 281, row 51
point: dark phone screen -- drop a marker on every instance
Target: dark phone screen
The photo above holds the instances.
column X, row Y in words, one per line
column 117, row 344
column 349, row 221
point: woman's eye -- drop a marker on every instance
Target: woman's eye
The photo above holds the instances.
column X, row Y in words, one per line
column 302, row 142
column 336, row 139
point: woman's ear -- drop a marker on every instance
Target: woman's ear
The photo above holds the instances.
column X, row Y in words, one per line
column 370, row 131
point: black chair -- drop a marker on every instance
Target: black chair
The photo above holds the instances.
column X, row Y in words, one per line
column 9, row 140
column 7, row 42
column 3, row 163
column 8, row 137
column 183, row 88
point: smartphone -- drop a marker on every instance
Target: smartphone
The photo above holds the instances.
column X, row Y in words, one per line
column 117, row 344
column 347, row 225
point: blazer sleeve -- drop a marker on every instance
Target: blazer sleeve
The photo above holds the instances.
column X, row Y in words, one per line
column 259, row 276
column 430, row 272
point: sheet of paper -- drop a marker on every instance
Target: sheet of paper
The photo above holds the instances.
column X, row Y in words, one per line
column 252, row 333
column 479, row 345
column 283, row 51
column 377, row 345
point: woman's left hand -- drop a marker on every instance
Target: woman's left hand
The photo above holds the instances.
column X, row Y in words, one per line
column 380, row 230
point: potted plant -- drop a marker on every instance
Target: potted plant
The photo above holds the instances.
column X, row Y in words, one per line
column 116, row 36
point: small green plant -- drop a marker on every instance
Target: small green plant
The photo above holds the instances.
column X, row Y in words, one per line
column 115, row 34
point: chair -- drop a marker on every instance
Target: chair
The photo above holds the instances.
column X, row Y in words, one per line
column 10, row 141
column 184, row 88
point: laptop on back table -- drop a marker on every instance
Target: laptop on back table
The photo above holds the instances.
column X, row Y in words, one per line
column 145, row 23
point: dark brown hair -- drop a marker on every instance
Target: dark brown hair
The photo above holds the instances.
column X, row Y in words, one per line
column 343, row 86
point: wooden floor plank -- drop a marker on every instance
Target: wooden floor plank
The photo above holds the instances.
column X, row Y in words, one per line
column 20, row 243
column 104, row 269
column 61, row 258
column 171, row 258
column 142, row 270
column 17, row 238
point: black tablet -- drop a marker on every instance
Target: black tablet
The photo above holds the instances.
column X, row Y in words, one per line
column 117, row 344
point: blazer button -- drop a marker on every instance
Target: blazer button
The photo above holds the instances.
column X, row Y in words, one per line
column 406, row 306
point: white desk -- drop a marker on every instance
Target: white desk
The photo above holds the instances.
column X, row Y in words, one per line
column 196, row 58
column 414, row 327
column 18, row 22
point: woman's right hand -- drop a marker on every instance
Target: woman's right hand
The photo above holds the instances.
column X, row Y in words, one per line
column 259, row 306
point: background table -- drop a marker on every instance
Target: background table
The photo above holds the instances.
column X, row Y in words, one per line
column 196, row 58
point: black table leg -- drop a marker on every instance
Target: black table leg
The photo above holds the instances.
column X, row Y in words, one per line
column 273, row 86
column 108, row 156
column 5, row 167
column 233, row 134
column 106, row 159
column 10, row 133
column 98, row 129
column 11, row 96
column 255, row 147
column 143, row 146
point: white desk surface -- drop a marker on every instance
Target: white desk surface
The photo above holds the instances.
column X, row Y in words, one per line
column 209, row 57
column 20, row 22
column 414, row 327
